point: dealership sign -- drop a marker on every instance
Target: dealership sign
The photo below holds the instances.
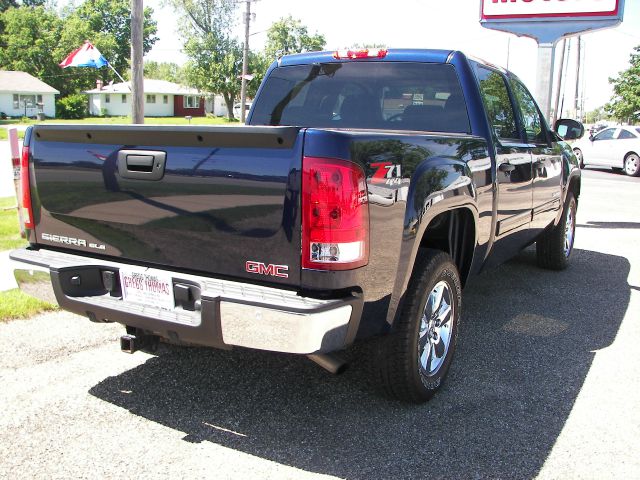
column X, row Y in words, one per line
column 548, row 9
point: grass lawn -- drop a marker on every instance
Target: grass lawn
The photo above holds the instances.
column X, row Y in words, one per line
column 9, row 230
column 4, row 134
column 14, row 303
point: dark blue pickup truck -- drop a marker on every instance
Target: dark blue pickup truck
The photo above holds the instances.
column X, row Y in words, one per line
column 366, row 189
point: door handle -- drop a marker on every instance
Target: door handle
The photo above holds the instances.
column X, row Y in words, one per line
column 141, row 164
column 506, row 167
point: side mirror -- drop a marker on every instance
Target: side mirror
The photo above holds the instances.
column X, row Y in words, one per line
column 569, row 129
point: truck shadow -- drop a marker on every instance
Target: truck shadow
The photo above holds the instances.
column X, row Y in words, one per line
column 527, row 342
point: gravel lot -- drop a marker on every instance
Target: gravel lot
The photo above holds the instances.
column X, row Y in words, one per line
column 546, row 384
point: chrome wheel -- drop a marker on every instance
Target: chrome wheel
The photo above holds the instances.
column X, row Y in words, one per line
column 435, row 329
column 569, row 231
column 631, row 165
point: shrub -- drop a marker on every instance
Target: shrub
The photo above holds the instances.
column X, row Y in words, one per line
column 73, row 106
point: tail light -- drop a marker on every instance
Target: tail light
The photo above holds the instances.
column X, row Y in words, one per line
column 335, row 215
column 25, row 190
column 363, row 53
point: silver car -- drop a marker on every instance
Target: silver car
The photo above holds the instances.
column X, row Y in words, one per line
column 615, row 147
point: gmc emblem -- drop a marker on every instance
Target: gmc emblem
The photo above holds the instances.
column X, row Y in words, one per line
column 262, row 269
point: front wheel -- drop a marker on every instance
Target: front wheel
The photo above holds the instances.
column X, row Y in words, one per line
column 555, row 244
column 632, row 165
column 413, row 362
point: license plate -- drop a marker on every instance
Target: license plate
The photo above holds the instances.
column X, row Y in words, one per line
column 147, row 286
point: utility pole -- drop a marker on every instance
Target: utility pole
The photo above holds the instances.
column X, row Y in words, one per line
column 137, row 72
column 245, row 61
column 578, row 62
column 556, row 114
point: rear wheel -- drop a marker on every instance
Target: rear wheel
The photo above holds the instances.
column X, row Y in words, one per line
column 413, row 362
column 554, row 246
column 632, row 165
column 578, row 153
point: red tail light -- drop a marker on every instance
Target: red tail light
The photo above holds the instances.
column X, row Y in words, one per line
column 363, row 53
column 25, row 190
column 335, row 215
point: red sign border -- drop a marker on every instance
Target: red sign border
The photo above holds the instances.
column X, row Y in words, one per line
column 612, row 13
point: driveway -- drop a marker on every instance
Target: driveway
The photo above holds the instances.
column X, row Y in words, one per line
column 546, row 384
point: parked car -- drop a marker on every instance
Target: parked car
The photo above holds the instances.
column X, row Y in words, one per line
column 615, row 147
column 332, row 217
column 237, row 111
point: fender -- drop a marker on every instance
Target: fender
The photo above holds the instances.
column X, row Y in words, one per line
column 439, row 185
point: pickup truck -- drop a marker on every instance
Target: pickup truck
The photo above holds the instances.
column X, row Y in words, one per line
column 365, row 191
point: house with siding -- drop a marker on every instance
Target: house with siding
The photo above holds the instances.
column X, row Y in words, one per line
column 22, row 94
column 162, row 99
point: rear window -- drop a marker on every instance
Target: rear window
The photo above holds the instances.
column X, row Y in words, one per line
column 369, row 95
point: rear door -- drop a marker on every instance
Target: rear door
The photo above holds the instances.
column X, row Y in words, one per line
column 513, row 163
column 546, row 158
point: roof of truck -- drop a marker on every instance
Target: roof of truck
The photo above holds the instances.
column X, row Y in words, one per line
column 393, row 55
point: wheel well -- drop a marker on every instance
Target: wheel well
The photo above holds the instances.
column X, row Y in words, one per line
column 453, row 232
column 630, row 153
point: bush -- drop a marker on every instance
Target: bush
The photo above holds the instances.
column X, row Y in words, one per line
column 73, row 106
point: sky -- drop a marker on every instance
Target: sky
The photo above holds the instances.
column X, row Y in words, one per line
column 447, row 24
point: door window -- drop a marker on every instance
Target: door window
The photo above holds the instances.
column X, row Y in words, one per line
column 606, row 134
column 495, row 96
column 529, row 113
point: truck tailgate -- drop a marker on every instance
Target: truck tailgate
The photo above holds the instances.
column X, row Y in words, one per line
column 207, row 199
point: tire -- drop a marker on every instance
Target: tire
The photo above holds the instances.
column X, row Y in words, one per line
column 632, row 165
column 578, row 153
column 413, row 361
column 555, row 244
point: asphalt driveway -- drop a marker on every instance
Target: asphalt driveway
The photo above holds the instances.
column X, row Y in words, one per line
column 546, row 383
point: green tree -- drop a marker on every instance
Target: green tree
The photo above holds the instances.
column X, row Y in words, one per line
column 288, row 35
column 171, row 72
column 30, row 36
column 215, row 57
column 625, row 103
column 113, row 17
column 214, row 66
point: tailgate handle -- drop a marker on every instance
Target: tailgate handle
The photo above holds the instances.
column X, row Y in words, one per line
column 141, row 164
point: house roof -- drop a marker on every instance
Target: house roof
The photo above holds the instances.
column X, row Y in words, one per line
column 22, row 82
column 150, row 86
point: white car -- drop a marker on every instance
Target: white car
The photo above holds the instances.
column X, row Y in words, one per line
column 236, row 109
column 615, row 147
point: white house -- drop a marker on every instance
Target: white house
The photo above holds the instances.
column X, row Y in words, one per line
column 162, row 99
column 22, row 94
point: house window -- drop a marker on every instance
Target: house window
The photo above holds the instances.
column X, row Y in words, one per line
column 165, row 99
column 124, row 98
column 22, row 101
column 191, row 101
column 107, row 98
column 151, row 99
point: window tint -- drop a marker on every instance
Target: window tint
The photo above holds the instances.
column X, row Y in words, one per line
column 529, row 113
column 371, row 95
column 497, row 102
column 638, row 130
column 624, row 134
column 606, row 134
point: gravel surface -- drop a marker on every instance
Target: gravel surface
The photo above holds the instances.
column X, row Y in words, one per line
column 546, row 383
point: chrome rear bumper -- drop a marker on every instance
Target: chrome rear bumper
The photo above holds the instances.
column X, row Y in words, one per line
column 228, row 314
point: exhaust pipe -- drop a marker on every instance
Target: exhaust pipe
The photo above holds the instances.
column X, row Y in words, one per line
column 331, row 363
column 131, row 343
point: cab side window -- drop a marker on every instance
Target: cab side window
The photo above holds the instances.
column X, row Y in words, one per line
column 495, row 97
column 529, row 113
